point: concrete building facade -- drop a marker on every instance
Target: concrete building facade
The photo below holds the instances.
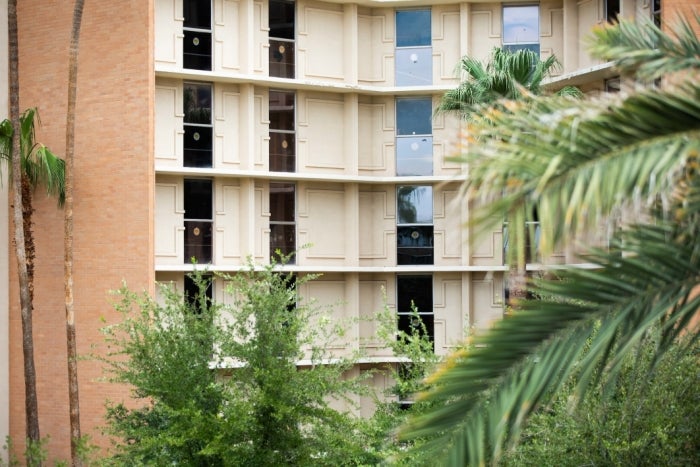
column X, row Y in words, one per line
column 228, row 129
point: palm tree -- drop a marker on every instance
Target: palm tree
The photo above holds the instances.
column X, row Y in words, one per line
column 73, row 394
column 507, row 75
column 30, row 400
column 576, row 163
column 36, row 165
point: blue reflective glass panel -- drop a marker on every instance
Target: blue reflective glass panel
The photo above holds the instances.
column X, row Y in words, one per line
column 414, row 156
column 414, row 116
column 521, row 24
column 414, row 204
column 414, row 66
column 412, row 28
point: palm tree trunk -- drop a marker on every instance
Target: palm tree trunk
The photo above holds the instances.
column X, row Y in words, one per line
column 25, row 286
column 73, row 396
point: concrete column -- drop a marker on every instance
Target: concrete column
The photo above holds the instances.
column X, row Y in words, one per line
column 350, row 48
column 571, row 38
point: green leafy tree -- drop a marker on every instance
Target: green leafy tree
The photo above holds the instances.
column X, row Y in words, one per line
column 221, row 385
column 576, row 163
column 650, row 419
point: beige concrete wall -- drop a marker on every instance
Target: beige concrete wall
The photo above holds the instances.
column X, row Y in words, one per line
column 114, row 185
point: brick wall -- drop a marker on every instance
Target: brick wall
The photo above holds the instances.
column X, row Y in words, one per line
column 113, row 196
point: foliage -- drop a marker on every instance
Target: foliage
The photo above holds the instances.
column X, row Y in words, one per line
column 651, row 418
column 258, row 407
column 40, row 165
column 507, row 75
column 576, row 163
column 36, row 453
column 417, row 359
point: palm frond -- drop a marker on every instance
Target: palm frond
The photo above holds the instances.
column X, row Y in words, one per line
column 641, row 48
column 587, row 320
column 506, row 75
column 574, row 162
column 40, row 165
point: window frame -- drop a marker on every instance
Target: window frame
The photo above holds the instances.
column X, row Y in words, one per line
column 405, row 141
column 189, row 125
column 413, row 62
column 290, row 167
column 401, row 312
column 420, row 229
column 195, row 223
column 293, row 223
column 518, row 45
column 187, row 31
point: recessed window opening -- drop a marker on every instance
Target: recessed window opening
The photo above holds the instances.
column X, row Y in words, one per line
column 415, row 292
column 282, row 219
column 414, row 55
column 612, row 10
column 282, row 132
column 414, row 224
column 197, row 34
column 281, row 37
column 198, row 220
column 198, row 128
column 192, row 292
column 521, row 28
column 656, row 12
column 414, row 140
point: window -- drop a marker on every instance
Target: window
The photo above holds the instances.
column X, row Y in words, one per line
column 416, row 290
column 198, row 220
column 612, row 10
column 196, row 46
column 192, row 290
column 414, row 54
column 521, row 28
column 197, row 125
column 281, row 21
column 282, row 133
column 282, row 219
column 612, row 84
column 656, row 12
column 414, row 224
column 414, row 141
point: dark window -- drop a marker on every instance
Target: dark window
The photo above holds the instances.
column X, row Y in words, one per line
column 282, row 133
column 612, row 10
column 198, row 220
column 192, row 291
column 198, row 129
column 281, row 37
column 282, row 219
column 612, row 84
column 197, row 34
column 521, row 28
column 656, row 12
column 415, row 291
column 414, row 225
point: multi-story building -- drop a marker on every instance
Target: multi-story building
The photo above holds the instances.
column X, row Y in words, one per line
column 226, row 129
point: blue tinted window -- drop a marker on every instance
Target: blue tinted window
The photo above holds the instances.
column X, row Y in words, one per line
column 521, row 24
column 414, row 156
column 412, row 28
column 414, row 116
